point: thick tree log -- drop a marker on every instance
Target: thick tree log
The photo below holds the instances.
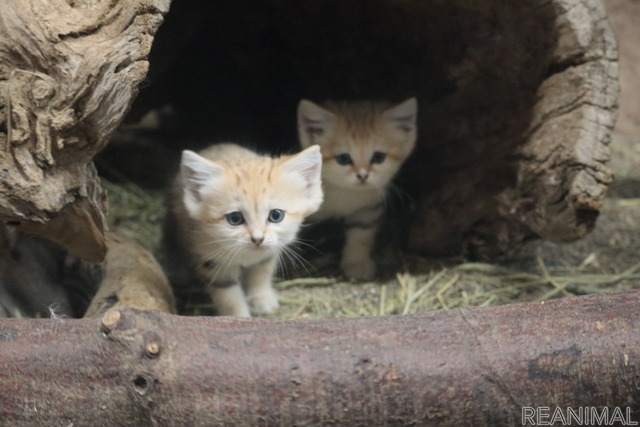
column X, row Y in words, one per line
column 69, row 72
column 461, row 367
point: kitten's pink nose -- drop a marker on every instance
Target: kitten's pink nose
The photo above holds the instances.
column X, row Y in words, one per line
column 257, row 240
column 362, row 176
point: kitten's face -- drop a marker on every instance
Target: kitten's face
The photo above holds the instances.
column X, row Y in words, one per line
column 254, row 207
column 363, row 144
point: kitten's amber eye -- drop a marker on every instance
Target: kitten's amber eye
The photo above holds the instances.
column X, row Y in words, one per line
column 235, row 218
column 378, row 157
column 343, row 159
column 276, row 215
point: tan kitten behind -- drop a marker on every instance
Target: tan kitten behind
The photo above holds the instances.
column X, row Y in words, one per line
column 363, row 146
column 231, row 215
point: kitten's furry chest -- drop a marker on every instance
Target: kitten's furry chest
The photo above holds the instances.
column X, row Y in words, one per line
column 344, row 202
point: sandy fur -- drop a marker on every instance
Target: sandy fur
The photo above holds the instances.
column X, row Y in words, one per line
column 359, row 129
column 237, row 262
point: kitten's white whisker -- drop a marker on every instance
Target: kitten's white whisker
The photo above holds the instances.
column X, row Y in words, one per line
column 287, row 263
column 224, row 261
column 229, row 263
column 296, row 259
column 220, row 249
column 306, row 243
column 216, row 242
column 400, row 192
column 281, row 267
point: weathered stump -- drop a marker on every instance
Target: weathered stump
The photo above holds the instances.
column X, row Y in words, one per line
column 69, row 70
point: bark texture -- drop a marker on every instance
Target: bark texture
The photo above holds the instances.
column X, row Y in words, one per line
column 624, row 16
column 69, row 71
column 132, row 278
column 461, row 367
column 539, row 170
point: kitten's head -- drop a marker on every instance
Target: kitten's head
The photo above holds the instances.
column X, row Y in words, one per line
column 255, row 206
column 363, row 144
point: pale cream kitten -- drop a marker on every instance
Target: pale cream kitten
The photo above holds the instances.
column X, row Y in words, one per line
column 232, row 212
column 363, row 146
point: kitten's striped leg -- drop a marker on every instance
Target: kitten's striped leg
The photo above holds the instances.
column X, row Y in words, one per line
column 257, row 280
column 225, row 290
column 360, row 234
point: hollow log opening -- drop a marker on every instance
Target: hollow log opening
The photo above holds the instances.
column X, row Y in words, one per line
column 515, row 101
column 516, row 105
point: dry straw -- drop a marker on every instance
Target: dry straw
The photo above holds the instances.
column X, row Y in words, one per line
column 138, row 213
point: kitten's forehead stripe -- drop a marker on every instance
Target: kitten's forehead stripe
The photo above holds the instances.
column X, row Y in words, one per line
column 360, row 130
column 254, row 179
column 270, row 176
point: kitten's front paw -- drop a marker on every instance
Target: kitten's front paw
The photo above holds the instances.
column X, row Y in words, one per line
column 263, row 302
column 364, row 269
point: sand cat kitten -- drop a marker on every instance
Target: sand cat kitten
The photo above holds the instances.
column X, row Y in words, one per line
column 233, row 211
column 363, row 145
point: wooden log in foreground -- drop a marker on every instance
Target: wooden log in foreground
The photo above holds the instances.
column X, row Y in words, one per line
column 471, row 366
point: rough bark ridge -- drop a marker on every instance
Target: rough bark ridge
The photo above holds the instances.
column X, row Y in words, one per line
column 68, row 74
column 461, row 367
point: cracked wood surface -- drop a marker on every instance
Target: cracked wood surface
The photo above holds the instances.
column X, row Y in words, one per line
column 543, row 174
column 69, row 73
column 567, row 149
column 471, row 366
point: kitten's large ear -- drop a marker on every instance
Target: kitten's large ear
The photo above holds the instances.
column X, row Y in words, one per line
column 196, row 174
column 314, row 123
column 308, row 165
column 403, row 117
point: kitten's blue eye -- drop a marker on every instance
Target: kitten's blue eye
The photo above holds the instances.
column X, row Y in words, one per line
column 276, row 215
column 235, row 218
column 343, row 159
column 378, row 157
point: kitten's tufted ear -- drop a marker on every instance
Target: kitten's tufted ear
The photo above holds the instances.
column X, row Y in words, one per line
column 307, row 165
column 196, row 174
column 314, row 123
column 403, row 117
